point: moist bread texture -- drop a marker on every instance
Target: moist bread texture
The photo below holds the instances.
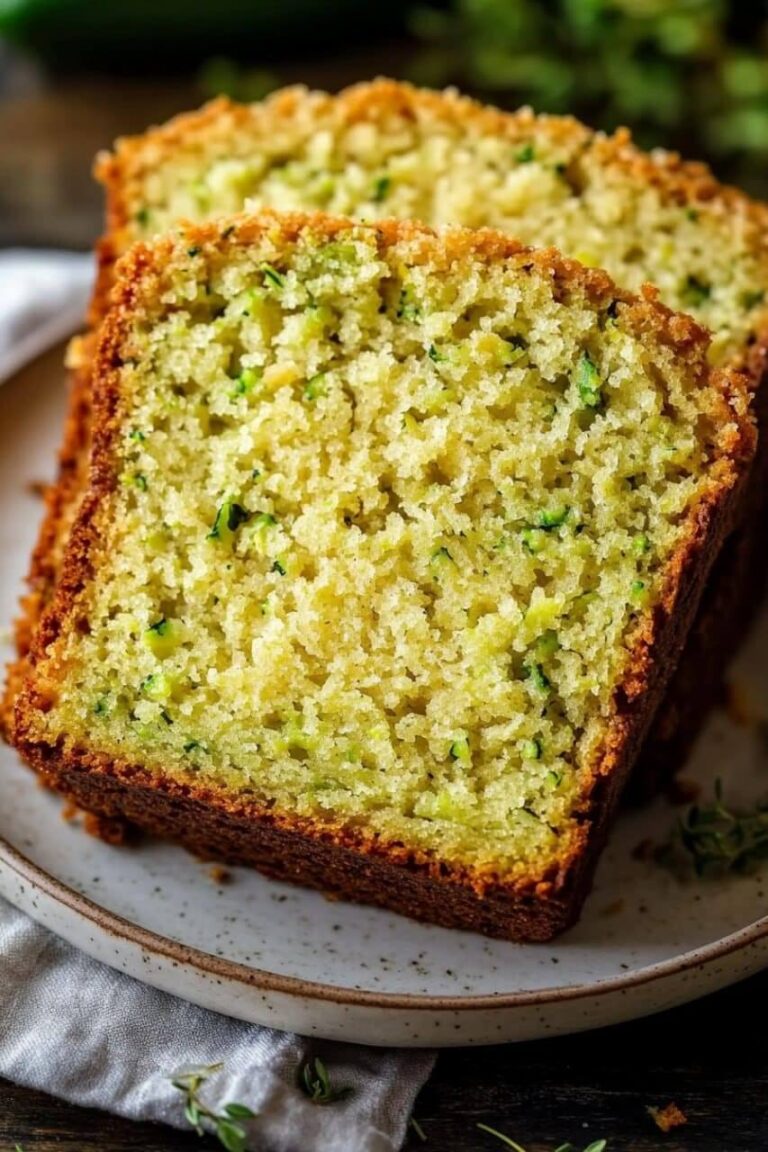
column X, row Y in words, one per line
column 387, row 149
column 390, row 543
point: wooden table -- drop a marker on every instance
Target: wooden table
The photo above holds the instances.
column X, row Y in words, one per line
column 710, row 1058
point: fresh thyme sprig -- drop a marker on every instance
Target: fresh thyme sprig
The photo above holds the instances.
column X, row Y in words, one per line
column 228, row 1126
column 508, row 1142
column 315, row 1083
column 717, row 839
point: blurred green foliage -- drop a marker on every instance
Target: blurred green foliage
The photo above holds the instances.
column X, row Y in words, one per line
column 690, row 74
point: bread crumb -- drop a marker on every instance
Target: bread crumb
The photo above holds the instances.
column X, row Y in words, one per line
column 112, row 830
column 219, row 874
column 683, row 791
column 667, row 1118
column 645, row 850
column 69, row 812
column 37, row 488
column 613, row 908
column 738, row 706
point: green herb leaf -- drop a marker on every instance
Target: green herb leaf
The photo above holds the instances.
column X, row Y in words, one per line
column 526, row 154
column 230, row 1135
column 315, row 1083
column 531, row 750
column 194, row 251
column 225, row 1126
column 239, row 1112
column 716, row 840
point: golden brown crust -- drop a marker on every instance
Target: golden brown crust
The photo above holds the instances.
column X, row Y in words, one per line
column 733, row 595
column 337, row 857
column 678, row 181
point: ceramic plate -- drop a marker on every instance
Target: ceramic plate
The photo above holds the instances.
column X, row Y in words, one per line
column 273, row 954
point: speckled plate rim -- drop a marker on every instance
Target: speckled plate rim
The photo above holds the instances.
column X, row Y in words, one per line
column 210, row 965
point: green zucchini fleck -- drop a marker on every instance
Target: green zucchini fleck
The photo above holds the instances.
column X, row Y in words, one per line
column 531, row 749
column 588, row 382
column 525, row 154
column 272, row 278
column 533, row 539
column 638, row 592
column 551, row 518
column 439, row 558
column 695, row 291
column 407, row 308
column 459, row 749
column 246, row 382
column 538, row 677
column 381, row 187
column 229, row 517
column 314, row 387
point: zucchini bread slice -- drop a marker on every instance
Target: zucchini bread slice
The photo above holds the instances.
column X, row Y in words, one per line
column 391, row 541
column 387, row 149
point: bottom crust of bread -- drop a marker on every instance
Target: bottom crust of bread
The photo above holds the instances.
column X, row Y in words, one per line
column 388, row 876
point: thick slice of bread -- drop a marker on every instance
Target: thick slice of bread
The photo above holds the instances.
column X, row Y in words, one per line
column 384, row 149
column 391, row 541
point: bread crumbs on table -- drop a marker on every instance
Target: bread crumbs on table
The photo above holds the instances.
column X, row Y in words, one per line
column 683, row 791
column 738, row 705
column 668, row 1117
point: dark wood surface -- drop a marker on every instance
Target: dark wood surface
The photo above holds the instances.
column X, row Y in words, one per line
column 710, row 1058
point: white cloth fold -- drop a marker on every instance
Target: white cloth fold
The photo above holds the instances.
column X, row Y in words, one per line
column 77, row 1029
column 43, row 296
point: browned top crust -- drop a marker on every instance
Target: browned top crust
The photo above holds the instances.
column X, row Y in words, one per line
column 679, row 181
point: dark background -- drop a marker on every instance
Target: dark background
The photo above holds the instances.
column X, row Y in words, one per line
column 689, row 74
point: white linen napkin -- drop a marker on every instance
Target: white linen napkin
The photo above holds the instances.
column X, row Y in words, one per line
column 78, row 1029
